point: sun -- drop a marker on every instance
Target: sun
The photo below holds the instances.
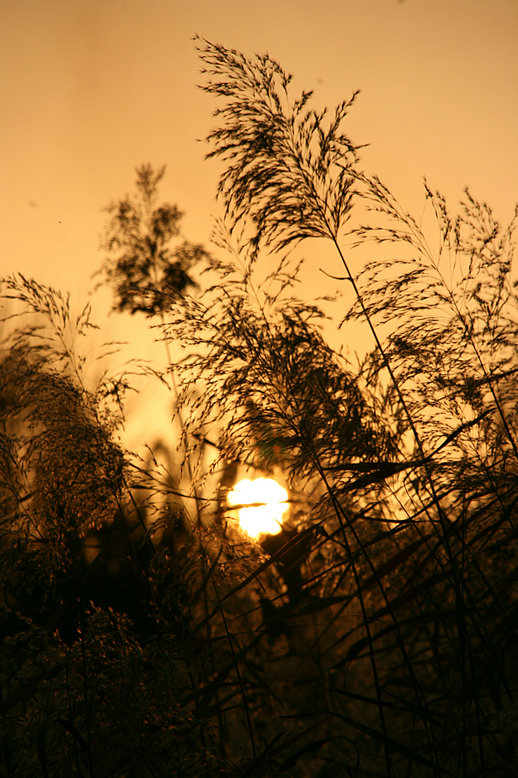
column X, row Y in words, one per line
column 265, row 517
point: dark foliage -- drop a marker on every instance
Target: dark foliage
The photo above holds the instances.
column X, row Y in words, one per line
column 146, row 271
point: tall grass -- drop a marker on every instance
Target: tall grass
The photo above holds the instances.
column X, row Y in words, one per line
column 376, row 635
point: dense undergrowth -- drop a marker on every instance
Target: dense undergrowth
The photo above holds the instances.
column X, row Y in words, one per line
column 142, row 633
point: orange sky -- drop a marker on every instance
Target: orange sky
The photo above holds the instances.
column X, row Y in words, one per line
column 91, row 88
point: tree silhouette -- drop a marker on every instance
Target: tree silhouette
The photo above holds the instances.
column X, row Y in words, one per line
column 145, row 269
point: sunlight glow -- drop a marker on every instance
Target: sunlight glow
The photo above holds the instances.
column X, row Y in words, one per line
column 259, row 519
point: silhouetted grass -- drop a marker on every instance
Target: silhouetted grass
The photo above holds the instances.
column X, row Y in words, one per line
column 376, row 635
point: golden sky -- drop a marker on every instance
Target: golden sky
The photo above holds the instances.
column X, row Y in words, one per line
column 91, row 88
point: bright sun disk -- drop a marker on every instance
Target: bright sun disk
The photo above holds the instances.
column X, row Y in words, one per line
column 259, row 519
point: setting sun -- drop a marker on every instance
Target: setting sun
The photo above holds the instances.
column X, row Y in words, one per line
column 262, row 503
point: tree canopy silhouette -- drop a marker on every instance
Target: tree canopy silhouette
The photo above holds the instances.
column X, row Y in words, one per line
column 146, row 261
